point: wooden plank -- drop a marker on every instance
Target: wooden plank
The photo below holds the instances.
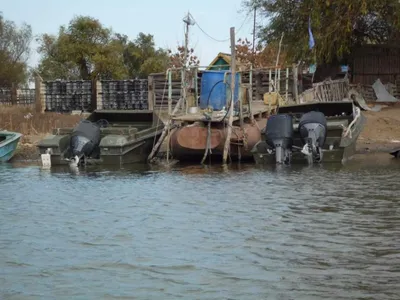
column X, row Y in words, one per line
column 150, row 93
column 38, row 96
column 233, row 84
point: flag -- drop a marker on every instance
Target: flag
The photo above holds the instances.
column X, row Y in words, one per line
column 311, row 42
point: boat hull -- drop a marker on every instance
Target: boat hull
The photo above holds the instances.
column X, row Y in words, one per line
column 338, row 147
column 339, row 155
column 8, row 145
column 129, row 139
column 189, row 143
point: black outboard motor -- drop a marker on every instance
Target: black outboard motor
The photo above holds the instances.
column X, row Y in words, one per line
column 85, row 138
column 279, row 136
column 313, row 129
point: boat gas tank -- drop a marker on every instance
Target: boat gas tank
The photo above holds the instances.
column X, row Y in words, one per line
column 84, row 138
column 279, row 130
column 313, row 124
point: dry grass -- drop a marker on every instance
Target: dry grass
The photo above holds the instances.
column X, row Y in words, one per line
column 34, row 126
column 25, row 120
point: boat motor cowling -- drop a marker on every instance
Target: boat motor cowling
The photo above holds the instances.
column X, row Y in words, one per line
column 279, row 136
column 313, row 130
column 85, row 138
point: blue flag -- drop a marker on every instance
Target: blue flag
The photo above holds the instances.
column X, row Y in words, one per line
column 311, row 42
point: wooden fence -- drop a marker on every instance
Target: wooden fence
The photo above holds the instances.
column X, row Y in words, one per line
column 88, row 95
column 263, row 80
column 14, row 96
column 327, row 91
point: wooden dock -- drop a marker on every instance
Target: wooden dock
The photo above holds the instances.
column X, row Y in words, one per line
column 257, row 107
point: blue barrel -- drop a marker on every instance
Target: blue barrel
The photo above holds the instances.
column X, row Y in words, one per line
column 213, row 90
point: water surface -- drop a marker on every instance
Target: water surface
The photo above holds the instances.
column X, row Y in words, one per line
column 193, row 232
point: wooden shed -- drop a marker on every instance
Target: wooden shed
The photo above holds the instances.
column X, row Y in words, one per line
column 220, row 62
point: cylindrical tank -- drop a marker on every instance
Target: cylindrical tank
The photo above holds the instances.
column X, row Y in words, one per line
column 189, row 142
column 213, row 90
column 279, row 131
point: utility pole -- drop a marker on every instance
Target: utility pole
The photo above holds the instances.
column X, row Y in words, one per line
column 188, row 21
column 254, row 32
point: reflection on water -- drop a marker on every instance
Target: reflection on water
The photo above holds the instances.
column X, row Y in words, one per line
column 201, row 232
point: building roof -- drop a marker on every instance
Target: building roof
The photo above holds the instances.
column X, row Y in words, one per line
column 225, row 56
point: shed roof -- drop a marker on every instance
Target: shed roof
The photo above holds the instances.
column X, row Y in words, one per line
column 225, row 56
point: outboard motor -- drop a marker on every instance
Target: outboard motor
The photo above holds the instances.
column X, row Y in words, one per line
column 313, row 130
column 85, row 138
column 279, row 136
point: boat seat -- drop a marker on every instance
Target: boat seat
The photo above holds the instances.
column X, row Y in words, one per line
column 104, row 131
column 119, row 131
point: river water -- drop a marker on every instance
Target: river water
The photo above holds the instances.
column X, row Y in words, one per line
column 193, row 232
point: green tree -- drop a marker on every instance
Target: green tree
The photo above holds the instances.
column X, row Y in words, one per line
column 141, row 57
column 337, row 25
column 86, row 49
column 83, row 50
column 14, row 52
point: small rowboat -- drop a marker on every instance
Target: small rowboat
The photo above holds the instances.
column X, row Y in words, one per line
column 8, row 144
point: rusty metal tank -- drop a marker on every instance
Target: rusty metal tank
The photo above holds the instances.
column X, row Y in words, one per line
column 189, row 143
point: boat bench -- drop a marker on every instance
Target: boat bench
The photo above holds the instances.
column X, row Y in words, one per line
column 103, row 131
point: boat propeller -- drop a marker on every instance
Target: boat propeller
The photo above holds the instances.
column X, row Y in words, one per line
column 75, row 161
column 312, row 151
column 313, row 130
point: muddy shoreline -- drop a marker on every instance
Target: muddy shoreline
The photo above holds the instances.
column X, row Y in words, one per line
column 28, row 152
column 381, row 134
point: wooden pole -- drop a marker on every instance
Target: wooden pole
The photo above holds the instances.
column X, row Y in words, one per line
column 169, row 92
column 233, row 76
column 93, row 99
column 168, row 126
column 251, row 93
column 295, row 83
column 13, row 94
column 150, row 88
column 241, row 103
column 287, row 85
column 40, row 107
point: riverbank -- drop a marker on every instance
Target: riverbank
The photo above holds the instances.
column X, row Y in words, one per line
column 33, row 126
column 380, row 134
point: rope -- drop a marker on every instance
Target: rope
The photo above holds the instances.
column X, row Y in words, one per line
column 217, row 40
column 208, row 145
column 347, row 130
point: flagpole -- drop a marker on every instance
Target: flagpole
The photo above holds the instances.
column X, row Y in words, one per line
column 311, row 45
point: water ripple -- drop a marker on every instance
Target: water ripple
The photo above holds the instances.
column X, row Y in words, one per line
column 194, row 232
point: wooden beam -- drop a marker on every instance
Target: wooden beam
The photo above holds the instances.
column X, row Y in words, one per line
column 233, row 75
column 39, row 105
column 295, row 83
column 168, row 126
column 150, row 90
column 13, row 94
column 93, row 98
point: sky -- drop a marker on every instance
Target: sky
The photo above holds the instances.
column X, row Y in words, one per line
column 161, row 18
